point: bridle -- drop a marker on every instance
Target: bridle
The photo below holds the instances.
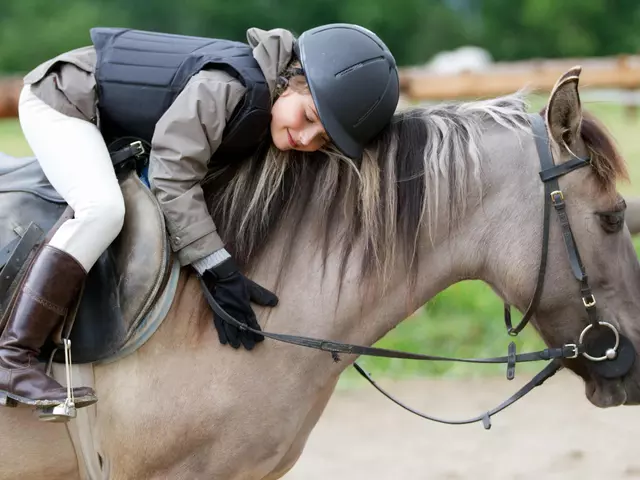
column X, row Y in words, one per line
column 614, row 365
column 615, row 361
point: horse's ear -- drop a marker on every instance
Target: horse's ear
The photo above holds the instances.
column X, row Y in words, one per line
column 564, row 112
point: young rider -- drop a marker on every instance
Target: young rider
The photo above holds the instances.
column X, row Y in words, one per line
column 192, row 99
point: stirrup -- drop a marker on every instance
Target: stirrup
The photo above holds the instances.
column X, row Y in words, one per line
column 62, row 412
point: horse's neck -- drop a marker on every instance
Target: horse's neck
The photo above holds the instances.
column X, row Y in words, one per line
column 315, row 305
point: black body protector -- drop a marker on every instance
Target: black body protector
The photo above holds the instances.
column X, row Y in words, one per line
column 139, row 75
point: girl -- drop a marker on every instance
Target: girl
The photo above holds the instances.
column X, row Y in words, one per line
column 194, row 100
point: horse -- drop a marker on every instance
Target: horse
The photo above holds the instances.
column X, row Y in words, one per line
column 445, row 193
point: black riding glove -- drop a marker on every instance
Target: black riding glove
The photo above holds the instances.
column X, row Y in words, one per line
column 234, row 292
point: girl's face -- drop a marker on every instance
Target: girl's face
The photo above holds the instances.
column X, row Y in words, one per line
column 295, row 124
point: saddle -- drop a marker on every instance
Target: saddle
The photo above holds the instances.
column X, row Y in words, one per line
column 129, row 289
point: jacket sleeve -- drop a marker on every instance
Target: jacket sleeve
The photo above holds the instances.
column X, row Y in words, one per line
column 185, row 137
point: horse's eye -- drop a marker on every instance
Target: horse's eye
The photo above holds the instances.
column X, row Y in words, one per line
column 612, row 222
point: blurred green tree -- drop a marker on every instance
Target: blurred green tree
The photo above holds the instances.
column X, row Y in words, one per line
column 33, row 30
column 551, row 28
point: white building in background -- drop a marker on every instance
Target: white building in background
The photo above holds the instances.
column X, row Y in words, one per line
column 467, row 58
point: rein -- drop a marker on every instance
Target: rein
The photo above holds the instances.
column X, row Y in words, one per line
column 616, row 362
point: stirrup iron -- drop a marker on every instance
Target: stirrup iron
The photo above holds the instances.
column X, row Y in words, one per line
column 65, row 411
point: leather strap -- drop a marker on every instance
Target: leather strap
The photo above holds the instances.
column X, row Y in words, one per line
column 6, row 251
column 548, row 371
column 544, row 153
column 553, row 196
column 557, row 171
column 557, row 198
column 132, row 156
column 17, row 252
column 566, row 351
column 133, row 150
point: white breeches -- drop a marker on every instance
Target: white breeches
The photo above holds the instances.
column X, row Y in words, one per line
column 75, row 159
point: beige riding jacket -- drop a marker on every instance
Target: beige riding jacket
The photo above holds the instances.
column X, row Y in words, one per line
column 185, row 137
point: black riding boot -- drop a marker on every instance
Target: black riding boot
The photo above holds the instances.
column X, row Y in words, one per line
column 50, row 286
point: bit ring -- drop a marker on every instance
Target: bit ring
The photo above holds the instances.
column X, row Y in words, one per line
column 611, row 352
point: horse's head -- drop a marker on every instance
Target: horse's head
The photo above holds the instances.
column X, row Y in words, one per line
column 592, row 272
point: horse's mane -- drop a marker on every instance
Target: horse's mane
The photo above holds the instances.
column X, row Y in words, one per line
column 377, row 205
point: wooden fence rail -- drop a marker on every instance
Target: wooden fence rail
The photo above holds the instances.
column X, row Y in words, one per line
column 419, row 84
column 621, row 72
column 9, row 93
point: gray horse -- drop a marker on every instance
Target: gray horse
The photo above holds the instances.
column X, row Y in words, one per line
column 446, row 194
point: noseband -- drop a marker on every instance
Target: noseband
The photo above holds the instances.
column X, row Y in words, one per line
column 615, row 361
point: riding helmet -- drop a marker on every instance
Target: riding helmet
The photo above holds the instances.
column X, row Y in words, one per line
column 353, row 79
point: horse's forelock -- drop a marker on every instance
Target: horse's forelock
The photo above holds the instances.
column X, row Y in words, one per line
column 606, row 160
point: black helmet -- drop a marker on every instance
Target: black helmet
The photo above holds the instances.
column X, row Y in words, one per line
column 353, row 80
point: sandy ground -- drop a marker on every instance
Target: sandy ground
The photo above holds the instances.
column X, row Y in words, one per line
column 553, row 433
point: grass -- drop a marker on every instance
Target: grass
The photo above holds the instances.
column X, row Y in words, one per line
column 11, row 140
column 466, row 319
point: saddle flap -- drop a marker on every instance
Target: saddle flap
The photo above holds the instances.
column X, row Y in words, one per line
column 141, row 250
